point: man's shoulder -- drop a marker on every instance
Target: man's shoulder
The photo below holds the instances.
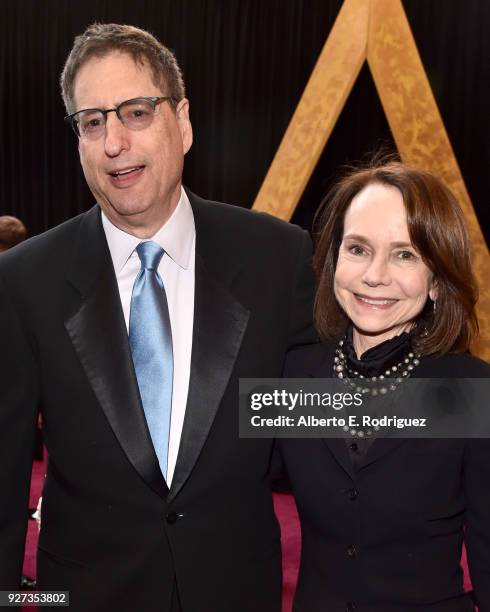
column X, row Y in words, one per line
column 230, row 217
column 43, row 249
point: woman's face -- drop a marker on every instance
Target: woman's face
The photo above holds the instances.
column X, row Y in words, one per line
column 381, row 282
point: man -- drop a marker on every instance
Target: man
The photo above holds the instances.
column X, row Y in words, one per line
column 12, row 232
column 131, row 325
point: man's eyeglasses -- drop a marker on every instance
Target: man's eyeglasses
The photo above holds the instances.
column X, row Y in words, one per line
column 135, row 114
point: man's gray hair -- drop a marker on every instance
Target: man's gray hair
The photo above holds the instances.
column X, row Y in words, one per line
column 100, row 39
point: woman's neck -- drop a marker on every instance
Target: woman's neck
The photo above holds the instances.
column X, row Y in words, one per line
column 363, row 342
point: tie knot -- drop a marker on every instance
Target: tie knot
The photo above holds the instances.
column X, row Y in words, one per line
column 150, row 254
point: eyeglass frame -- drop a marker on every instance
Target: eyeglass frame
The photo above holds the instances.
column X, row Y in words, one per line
column 153, row 100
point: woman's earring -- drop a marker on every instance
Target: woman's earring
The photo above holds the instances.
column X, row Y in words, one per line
column 434, row 305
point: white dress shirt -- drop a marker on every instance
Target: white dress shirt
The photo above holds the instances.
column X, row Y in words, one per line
column 178, row 239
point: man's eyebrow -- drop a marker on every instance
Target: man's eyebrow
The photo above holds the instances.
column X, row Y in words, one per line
column 108, row 107
column 358, row 238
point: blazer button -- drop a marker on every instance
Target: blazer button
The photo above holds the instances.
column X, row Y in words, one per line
column 352, row 493
column 352, row 551
column 171, row 518
column 353, row 447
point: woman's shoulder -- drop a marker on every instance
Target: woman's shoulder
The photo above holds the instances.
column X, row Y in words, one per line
column 310, row 360
column 454, row 365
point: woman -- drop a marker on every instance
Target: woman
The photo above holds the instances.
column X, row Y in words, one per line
column 383, row 520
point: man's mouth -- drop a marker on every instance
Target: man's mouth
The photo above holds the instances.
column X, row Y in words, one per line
column 125, row 171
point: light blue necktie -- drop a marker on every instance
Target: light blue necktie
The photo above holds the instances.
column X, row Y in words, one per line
column 150, row 338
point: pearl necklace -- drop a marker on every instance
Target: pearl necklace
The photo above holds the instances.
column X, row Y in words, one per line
column 389, row 381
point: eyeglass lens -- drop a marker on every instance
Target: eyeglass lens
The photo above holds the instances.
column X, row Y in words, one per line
column 134, row 114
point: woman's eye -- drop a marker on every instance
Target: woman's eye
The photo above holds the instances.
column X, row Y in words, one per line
column 406, row 255
column 356, row 249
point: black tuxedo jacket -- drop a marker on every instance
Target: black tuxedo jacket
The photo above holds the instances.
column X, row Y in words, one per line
column 387, row 537
column 112, row 533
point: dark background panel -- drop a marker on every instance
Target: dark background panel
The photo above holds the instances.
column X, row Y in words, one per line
column 245, row 63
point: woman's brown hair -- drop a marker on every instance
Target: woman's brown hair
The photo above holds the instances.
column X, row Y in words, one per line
column 438, row 232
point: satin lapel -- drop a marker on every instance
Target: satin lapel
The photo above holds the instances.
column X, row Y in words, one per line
column 220, row 322
column 98, row 333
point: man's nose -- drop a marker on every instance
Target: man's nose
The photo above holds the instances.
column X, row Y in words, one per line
column 116, row 138
column 377, row 272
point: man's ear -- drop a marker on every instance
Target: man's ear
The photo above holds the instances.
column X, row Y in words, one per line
column 185, row 126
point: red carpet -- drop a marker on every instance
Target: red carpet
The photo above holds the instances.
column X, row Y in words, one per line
column 290, row 536
column 291, row 545
column 38, row 470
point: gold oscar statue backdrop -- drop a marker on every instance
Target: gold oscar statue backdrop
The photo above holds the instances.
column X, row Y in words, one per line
column 377, row 31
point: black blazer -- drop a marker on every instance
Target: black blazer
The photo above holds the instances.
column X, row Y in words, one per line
column 112, row 533
column 388, row 536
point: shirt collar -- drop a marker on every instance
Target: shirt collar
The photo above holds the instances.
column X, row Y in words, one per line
column 176, row 237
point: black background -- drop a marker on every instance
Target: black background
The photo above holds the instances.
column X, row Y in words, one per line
column 245, row 64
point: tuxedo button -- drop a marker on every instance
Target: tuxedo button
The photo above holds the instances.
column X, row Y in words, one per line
column 353, row 447
column 350, row 607
column 352, row 551
column 171, row 518
column 352, row 494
